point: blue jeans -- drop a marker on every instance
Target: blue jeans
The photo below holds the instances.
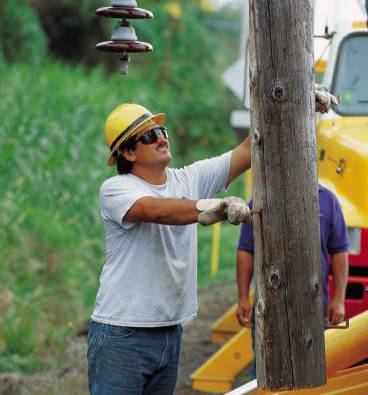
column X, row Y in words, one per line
column 133, row 361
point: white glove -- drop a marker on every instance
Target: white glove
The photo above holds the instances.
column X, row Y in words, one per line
column 234, row 209
column 212, row 211
column 237, row 210
column 324, row 101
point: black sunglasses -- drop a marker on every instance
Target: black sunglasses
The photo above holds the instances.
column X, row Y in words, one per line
column 151, row 136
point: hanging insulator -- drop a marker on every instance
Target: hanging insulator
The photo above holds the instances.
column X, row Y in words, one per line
column 124, row 39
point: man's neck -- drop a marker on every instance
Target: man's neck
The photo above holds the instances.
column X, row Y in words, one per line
column 155, row 176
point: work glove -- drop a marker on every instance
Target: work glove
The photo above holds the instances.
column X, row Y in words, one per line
column 324, row 101
column 232, row 208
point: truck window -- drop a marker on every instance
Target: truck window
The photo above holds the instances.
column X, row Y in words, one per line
column 351, row 75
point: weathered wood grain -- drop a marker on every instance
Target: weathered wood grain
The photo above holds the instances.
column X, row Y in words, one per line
column 289, row 312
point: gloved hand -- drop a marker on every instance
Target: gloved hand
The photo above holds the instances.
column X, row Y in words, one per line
column 237, row 211
column 232, row 208
column 324, row 101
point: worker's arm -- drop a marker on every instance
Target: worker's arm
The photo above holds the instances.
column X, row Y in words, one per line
column 244, row 274
column 240, row 159
column 340, row 269
column 241, row 155
column 183, row 211
column 163, row 211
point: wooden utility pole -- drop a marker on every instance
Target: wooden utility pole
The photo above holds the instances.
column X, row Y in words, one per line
column 290, row 349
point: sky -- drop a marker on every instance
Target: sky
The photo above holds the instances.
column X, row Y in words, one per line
column 336, row 13
column 328, row 6
column 220, row 3
column 333, row 12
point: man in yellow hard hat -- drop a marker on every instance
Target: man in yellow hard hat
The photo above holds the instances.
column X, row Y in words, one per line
column 148, row 285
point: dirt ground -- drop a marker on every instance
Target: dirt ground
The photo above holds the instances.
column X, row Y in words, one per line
column 71, row 378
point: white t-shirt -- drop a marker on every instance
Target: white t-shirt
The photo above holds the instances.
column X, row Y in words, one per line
column 150, row 275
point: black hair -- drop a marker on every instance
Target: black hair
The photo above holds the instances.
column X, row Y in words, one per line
column 123, row 165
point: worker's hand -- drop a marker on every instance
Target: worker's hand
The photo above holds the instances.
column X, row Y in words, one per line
column 244, row 313
column 234, row 209
column 237, row 210
column 324, row 101
column 212, row 211
column 336, row 311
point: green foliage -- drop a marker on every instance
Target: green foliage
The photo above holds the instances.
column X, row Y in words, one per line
column 53, row 160
column 21, row 36
column 72, row 28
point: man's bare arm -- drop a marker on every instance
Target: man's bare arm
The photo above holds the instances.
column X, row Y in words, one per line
column 163, row 211
column 184, row 212
column 241, row 155
column 340, row 269
column 244, row 274
column 240, row 159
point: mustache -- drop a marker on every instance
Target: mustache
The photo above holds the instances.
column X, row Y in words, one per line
column 163, row 144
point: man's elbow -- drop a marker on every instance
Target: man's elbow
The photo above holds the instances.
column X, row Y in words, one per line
column 143, row 210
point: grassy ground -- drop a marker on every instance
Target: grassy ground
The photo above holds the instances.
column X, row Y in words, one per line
column 51, row 237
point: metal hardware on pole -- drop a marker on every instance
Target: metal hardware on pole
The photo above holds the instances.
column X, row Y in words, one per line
column 124, row 39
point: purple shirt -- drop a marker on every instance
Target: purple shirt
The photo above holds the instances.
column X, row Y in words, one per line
column 334, row 237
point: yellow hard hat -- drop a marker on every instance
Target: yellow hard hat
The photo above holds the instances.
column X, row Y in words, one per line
column 126, row 121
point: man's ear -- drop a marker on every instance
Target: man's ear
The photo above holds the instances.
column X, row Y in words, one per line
column 129, row 154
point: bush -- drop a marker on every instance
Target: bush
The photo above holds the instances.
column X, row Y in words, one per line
column 21, row 36
column 72, row 28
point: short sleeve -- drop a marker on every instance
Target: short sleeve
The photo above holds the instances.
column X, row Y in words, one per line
column 338, row 240
column 117, row 196
column 209, row 176
column 246, row 239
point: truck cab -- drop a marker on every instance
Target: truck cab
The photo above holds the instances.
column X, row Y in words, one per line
column 342, row 149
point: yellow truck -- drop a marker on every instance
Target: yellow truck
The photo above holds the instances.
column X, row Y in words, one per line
column 342, row 149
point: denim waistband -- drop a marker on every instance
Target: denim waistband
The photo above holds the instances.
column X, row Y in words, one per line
column 144, row 328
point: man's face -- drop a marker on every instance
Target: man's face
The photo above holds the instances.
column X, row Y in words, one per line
column 152, row 148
